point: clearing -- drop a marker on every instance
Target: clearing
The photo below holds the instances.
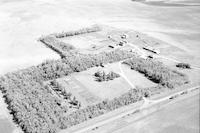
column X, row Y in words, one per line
column 137, row 78
column 104, row 90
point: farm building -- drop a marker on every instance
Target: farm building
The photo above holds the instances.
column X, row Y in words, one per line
column 151, row 49
column 111, row 45
column 124, row 36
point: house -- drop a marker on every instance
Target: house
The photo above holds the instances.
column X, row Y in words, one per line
column 121, row 43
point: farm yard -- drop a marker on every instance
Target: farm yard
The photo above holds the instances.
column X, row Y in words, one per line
column 99, row 38
column 106, row 57
column 84, row 85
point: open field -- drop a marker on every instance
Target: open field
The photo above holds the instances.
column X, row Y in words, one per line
column 180, row 117
column 79, row 90
column 104, row 90
column 172, row 3
column 85, row 88
column 85, row 41
column 137, row 78
column 113, row 88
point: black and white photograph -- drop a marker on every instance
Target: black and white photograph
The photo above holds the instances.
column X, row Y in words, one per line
column 99, row 66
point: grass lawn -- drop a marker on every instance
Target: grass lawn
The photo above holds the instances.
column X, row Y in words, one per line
column 78, row 90
column 137, row 78
column 85, row 41
column 104, row 90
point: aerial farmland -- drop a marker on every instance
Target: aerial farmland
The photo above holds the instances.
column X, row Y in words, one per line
column 99, row 67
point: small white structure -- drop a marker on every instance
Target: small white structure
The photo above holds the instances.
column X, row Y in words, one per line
column 124, row 36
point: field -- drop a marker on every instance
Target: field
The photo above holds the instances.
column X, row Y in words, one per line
column 180, row 117
column 89, row 91
column 104, row 90
column 79, row 90
column 84, row 85
column 137, row 78
column 85, row 41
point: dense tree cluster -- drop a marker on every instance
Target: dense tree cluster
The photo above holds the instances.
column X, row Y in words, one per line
column 34, row 106
column 183, row 65
column 65, row 96
column 93, row 28
column 103, row 107
column 37, row 109
column 157, row 72
column 79, row 62
column 102, row 76
column 58, row 46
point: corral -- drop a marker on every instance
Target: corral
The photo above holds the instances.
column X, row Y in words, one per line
column 99, row 38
